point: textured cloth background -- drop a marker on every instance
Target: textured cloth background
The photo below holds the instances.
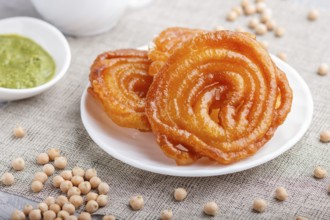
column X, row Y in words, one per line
column 52, row 119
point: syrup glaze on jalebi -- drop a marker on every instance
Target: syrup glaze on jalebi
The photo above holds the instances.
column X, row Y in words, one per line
column 218, row 96
column 120, row 80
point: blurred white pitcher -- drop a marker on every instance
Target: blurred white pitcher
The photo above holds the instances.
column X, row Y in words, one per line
column 84, row 17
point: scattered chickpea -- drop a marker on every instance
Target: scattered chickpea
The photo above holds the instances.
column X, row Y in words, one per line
column 102, row 200
column 95, row 182
column 281, row 194
column 166, row 214
column 36, row 186
column 279, row 32
column 91, row 196
column 85, row 187
column 91, row 206
column 35, row 214
column 71, row 217
column 7, row 179
column 136, row 203
column 219, row 28
column 320, row 172
column 261, row 29
column 74, row 191
column 63, row 214
column 245, row 3
column 65, row 186
column 250, row 9
column 17, row 215
column 19, row 132
column 55, row 208
column 27, row 209
column 76, row 180
column 103, row 188
column 57, row 180
column 260, row 7
column 257, row 1
column 78, row 171
column 282, row 56
column 66, row 174
column 69, row 208
column 109, row 217
column 58, row 218
column 270, row 24
column 49, row 215
column 18, row 164
column 313, row 15
column 211, row 208
column 323, row 70
column 42, row 158
column 301, row 218
column 60, row 162
column 76, row 200
column 325, row 136
column 259, row 205
column 265, row 17
column 240, row 29
column 85, row 216
column 43, row 207
column 232, row 16
column 253, row 23
column 53, row 153
column 40, row 176
column 48, row 169
column 264, row 44
column 238, row 10
column 180, row 194
column 90, row 173
column 61, row 200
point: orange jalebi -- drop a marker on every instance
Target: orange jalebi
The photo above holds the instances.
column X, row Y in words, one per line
column 218, row 96
column 120, row 80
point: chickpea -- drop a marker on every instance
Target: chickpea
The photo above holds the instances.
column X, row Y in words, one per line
column 76, row 200
column 74, row 191
column 17, row 215
column 43, row 207
column 36, row 186
column 282, row 56
column 180, row 194
column 250, row 9
column 55, row 208
column 49, row 200
column 53, row 153
column 85, row 187
column 320, row 172
column 42, row 158
column 66, row 174
column 270, row 24
column 27, row 209
column 35, row 214
column 63, row 214
column 95, row 182
column 261, row 29
column 102, row 200
column 109, row 217
column 313, row 15
column 91, row 206
column 49, row 215
column 65, row 186
column 61, row 200
column 48, row 169
column 253, row 23
column 166, row 214
column 57, row 180
column 71, row 217
column 60, row 162
column 76, row 180
column 103, row 188
column 7, row 179
column 40, row 176
column 211, row 208
column 85, row 216
column 90, row 173
column 91, row 196
column 69, row 208
column 136, row 203
column 259, row 205
column 281, row 194
column 77, row 171
column 301, row 218
column 232, row 16
column 18, row 164
column 322, row 71
column 19, row 132
column 279, row 32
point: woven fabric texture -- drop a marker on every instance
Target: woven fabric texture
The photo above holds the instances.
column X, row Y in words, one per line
column 52, row 119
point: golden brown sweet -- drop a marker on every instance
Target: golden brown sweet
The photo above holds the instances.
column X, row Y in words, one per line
column 120, row 80
column 166, row 43
column 218, row 96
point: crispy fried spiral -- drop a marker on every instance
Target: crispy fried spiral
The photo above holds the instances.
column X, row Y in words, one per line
column 218, row 96
column 120, row 80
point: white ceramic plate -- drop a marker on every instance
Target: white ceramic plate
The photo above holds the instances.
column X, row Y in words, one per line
column 140, row 149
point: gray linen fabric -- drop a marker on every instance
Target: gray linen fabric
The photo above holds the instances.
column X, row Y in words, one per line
column 52, row 119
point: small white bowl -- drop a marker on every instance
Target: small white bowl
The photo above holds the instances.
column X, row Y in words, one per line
column 47, row 36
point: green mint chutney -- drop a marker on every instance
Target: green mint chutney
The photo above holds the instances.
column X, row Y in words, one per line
column 23, row 63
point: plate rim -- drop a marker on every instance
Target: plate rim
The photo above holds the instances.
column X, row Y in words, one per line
column 217, row 172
